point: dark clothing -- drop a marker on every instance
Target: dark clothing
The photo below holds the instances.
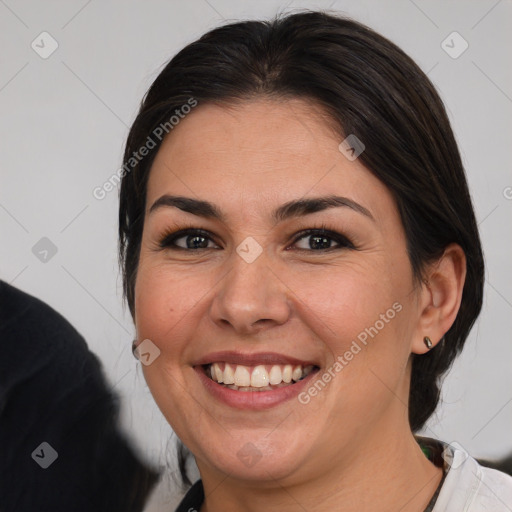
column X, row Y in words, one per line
column 52, row 390
column 193, row 499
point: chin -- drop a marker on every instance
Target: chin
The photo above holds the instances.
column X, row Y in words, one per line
column 248, row 460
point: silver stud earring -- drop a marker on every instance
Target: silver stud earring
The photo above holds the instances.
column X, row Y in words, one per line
column 428, row 342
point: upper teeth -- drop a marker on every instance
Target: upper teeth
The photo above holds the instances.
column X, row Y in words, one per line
column 256, row 376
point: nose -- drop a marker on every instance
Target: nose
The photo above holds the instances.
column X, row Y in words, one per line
column 251, row 297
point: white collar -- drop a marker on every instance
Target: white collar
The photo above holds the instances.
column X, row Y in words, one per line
column 470, row 487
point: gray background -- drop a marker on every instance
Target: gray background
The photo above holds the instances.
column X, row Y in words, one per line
column 62, row 128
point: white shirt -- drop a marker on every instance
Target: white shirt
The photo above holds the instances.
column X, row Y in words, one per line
column 470, row 487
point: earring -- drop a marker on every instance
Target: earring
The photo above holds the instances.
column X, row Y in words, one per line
column 134, row 347
column 428, row 342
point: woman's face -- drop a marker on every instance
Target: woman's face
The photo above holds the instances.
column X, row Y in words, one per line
column 254, row 285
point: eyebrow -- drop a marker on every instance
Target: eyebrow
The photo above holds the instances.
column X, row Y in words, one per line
column 297, row 208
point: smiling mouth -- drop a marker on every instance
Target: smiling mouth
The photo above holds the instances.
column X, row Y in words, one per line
column 257, row 378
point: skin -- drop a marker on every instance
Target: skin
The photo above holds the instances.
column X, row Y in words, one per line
column 351, row 446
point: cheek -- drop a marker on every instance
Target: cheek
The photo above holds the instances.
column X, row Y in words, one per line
column 166, row 303
column 166, row 300
column 346, row 299
column 362, row 314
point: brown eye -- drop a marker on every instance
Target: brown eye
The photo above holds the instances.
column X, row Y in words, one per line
column 190, row 239
column 321, row 240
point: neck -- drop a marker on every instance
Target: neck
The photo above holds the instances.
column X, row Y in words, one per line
column 383, row 471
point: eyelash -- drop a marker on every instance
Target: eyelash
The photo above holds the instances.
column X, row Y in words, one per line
column 168, row 239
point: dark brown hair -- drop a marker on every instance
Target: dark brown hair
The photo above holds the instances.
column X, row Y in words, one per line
column 370, row 88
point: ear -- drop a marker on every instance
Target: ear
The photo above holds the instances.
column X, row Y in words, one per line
column 440, row 297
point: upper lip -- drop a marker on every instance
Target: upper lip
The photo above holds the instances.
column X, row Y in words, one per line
column 252, row 359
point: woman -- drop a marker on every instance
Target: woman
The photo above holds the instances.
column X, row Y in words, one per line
column 302, row 263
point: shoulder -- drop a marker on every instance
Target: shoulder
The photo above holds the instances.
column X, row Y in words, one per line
column 37, row 337
column 21, row 313
column 471, row 487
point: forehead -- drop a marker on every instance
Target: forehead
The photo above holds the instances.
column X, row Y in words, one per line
column 256, row 154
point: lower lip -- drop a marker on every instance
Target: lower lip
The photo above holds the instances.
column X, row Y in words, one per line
column 253, row 400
